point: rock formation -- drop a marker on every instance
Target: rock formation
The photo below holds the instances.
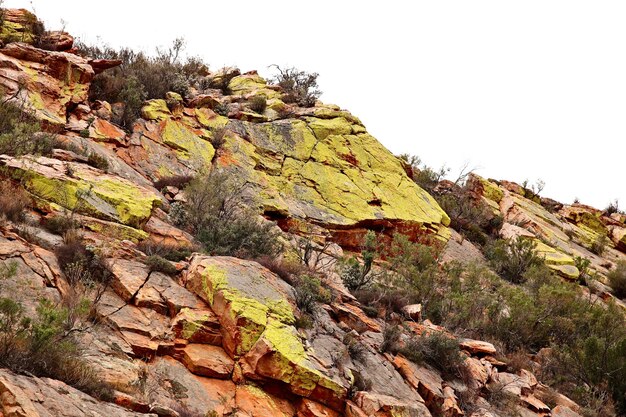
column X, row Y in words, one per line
column 219, row 336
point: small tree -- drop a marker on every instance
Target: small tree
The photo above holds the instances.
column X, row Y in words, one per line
column 298, row 86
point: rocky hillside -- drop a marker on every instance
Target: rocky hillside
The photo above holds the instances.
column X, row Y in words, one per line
column 228, row 250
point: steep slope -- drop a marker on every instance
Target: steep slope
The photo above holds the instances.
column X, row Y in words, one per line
column 223, row 336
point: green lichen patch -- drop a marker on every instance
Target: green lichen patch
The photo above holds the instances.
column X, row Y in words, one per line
column 186, row 141
column 156, row 110
column 85, row 190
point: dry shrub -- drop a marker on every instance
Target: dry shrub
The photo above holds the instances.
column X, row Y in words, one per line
column 13, row 201
column 298, row 86
column 173, row 253
column 177, row 181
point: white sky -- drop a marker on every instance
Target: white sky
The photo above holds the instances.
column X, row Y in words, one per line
column 532, row 89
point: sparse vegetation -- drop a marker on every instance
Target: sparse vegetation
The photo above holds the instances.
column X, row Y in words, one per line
column 298, row 86
column 356, row 275
column 173, row 253
column 439, row 350
column 612, row 208
column 20, row 131
column 98, row 161
column 60, row 224
column 217, row 213
column 142, row 77
column 82, row 265
column 309, row 292
column 218, row 138
column 355, row 348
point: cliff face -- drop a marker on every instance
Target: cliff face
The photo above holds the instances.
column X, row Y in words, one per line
column 219, row 335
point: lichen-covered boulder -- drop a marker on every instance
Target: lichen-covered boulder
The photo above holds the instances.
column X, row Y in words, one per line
column 84, row 189
column 330, row 172
column 256, row 314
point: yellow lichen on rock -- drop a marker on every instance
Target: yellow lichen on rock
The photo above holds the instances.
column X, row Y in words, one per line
column 86, row 190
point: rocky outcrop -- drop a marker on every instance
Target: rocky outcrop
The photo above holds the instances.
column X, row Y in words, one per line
column 48, row 83
column 562, row 234
column 222, row 336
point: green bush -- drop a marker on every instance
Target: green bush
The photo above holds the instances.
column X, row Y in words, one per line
column 617, row 279
column 423, row 175
column 309, row 292
column 599, row 245
column 218, row 214
column 513, row 257
column 60, row 224
column 81, row 265
column 19, row 131
column 44, row 346
column 391, row 338
column 470, row 216
column 173, row 253
column 355, row 348
column 298, row 86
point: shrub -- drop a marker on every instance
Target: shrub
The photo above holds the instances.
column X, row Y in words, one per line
column 617, row 279
column 217, row 213
column 44, row 346
column 360, row 383
column 423, row 175
column 288, row 271
column 391, row 337
column 612, row 208
column 356, row 275
column 599, row 245
column 19, row 131
column 81, row 265
column 222, row 109
column 298, row 87
column 470, row 216
column 98, row 161
column 218, row 139
column 159, row 264
column 258, row 104
column 513, row 257
column 172, row 253
column 355, row 348
column 60, row 224
column 438, row 350
column 386, row 298
column 309, row 292
column 221, row 80
column 13, row 201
